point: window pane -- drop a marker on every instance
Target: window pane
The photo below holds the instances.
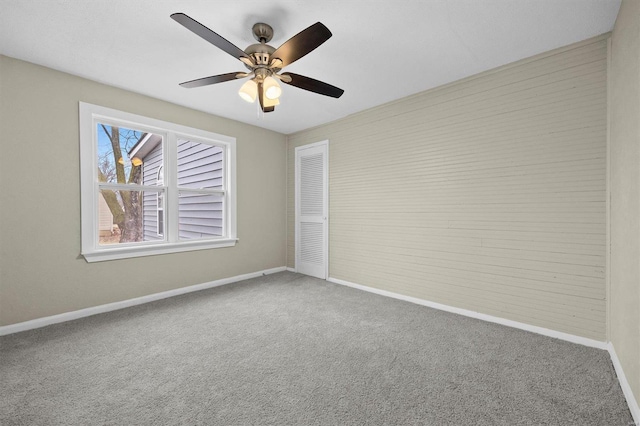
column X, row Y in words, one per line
column 129, row 216
column 160, row 213
column 200, row 165
column 153, row 215
column 128, row 155
column 200, row 215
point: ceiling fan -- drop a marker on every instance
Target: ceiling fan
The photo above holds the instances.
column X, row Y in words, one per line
column 264, row 62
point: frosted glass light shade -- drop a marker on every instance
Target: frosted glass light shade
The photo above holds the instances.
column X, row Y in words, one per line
column 272, row 89
column 270, row 102
column 249, row 91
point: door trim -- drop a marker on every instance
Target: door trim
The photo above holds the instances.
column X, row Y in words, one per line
column 325, row 248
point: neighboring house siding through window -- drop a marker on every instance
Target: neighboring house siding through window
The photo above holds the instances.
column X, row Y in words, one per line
column 151, row 166
column 105, row 218
column 200, row 166
column 200, row 215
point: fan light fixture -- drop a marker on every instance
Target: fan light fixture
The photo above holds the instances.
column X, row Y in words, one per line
column 270, row 102
column 249, row 91
column 272, row 89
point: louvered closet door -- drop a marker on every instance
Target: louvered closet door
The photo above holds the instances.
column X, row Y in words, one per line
column 311, row 210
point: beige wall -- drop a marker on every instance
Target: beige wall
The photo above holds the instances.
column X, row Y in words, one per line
column 41, row 271
column 488, row 194
column 625, row 191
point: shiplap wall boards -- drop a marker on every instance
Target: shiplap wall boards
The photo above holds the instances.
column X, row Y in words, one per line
column 488, row 194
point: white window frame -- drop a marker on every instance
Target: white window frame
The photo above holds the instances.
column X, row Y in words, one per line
column 90, row 116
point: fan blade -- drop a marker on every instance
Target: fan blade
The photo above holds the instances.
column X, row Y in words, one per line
column 302, row 43
column 204, row 32
column 312, row 85
column 211, row 80
column 261, row 99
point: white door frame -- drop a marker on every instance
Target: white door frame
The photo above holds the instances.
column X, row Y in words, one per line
column 325, row 144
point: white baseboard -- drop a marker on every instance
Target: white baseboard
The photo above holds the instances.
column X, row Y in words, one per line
column 624, row 384
column 490, row 318
column 94, row 310
column 291, row 269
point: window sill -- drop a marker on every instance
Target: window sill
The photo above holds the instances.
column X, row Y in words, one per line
column 113, row 253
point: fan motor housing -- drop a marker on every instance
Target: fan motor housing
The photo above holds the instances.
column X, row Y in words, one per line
column 260, row 52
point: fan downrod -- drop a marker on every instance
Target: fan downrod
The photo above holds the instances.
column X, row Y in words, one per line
column 262, row 32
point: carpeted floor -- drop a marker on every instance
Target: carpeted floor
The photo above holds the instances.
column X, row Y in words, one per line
column 287, row 349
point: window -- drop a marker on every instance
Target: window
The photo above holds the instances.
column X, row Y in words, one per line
column 165, row 187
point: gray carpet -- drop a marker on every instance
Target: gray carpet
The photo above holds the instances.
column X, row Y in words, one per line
column 287, row 349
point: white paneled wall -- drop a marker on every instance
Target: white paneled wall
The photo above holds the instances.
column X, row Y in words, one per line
column 487, row 194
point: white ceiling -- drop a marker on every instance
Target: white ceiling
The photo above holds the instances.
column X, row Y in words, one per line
column 380, row 50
